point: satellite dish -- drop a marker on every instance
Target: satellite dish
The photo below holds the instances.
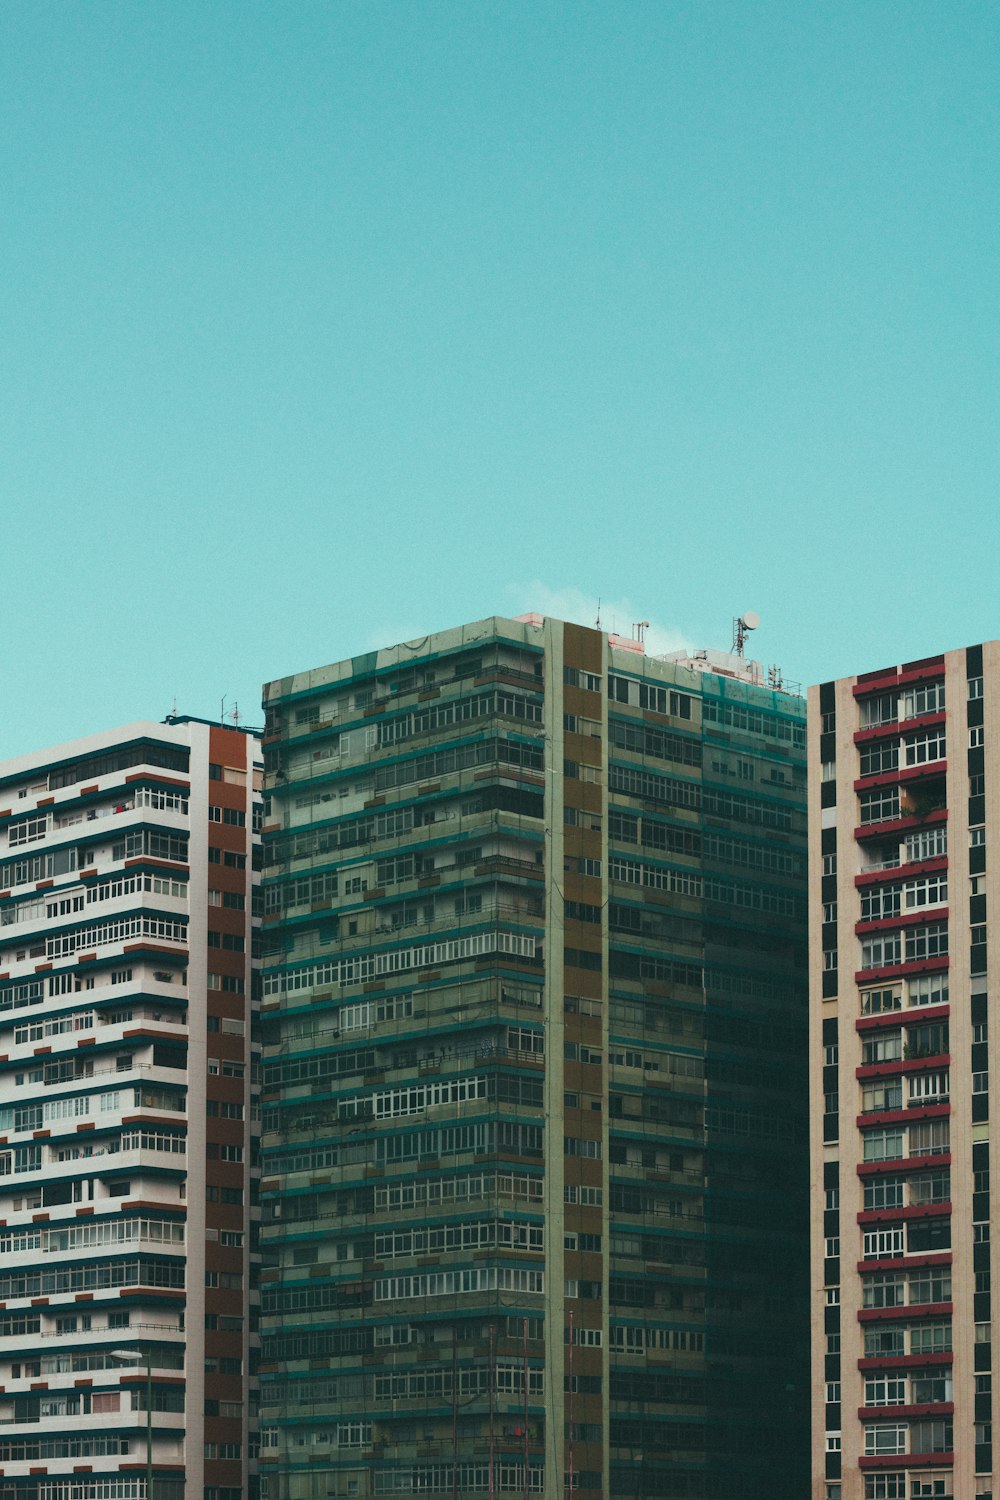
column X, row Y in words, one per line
column 750, row 620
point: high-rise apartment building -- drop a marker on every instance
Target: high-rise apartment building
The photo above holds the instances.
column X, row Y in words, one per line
column 534, row 1017
column 127, row 880
column 905, row 769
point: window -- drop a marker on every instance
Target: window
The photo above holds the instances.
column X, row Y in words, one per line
column 28, row 830
column 885, row 1437
column 930, row 1088
column 880, row 902
column 936, row 1338
column 884, row 1343
column 933, row 1284
column 881, row 709
column 930, row 1187
column 928, row 989
column 925, row 747
column 882, row 1095
column 884, row 1144
column 928, row 890
column 884, row 1192
column 873, row 1002
column 884, row 1289
column 975, row 687
column 883, row 950
column 928, row 698
column 888, row 1047
column 930, row 941
column 975, row 736
column 929, row 843
column 929, row 1138
column 880, row 805
column 885, row 1487
column 885, row 1390
column 879, row 758
column 883, row 1244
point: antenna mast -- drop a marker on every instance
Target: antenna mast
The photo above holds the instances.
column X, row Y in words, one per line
column 742, row 626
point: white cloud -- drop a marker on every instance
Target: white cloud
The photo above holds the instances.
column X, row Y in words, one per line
column 616, row 615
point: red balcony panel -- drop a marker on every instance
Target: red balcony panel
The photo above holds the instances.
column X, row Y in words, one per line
column 911, row 919
column 911, row 1211
column 897, row 727
column 902, row 872
column 907, row 774
column 908, row 1461
column 888, row 972
column 926, row 669
column 906, row 1016
column 904, row 1065
column 903, row 825
column 905, row 1314
column 903, row 1164
column 880, row 778
column 886, row 1413
column 907, row 1262
column 905, row 1361
column 908, row 1115
column 868, row 683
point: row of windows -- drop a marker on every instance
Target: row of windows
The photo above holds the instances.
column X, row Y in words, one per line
column 91, row 1276
column 881, row 902
column 345, row 834
column 888, row 948
column 908, row 1437
column 439, row 1385
column 920, row 1388
column 119, row 931
column 884, row 708
column 753, row 721
column 509, row 1233
column 504, row 704
column 481, row 1137
column 636, row 1338
column 433, row 1192
column 362, row 968
column 469, row 1478
column 894, row 1142
column 645, row 739
column 902, row 1289
column 459, row 1283
column 110, row 1231
column 924, row 989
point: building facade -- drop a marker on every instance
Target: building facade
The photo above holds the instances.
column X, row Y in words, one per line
column 534, row 1023
column 127, row 897
column 905, row 763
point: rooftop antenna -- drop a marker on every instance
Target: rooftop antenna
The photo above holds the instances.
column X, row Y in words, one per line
column 597, row 622
column 742, row 626
column 639, row 631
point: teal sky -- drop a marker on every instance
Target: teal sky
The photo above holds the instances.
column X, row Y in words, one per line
column 325, row 325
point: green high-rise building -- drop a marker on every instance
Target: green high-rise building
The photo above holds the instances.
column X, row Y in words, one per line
column 534, row 1153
